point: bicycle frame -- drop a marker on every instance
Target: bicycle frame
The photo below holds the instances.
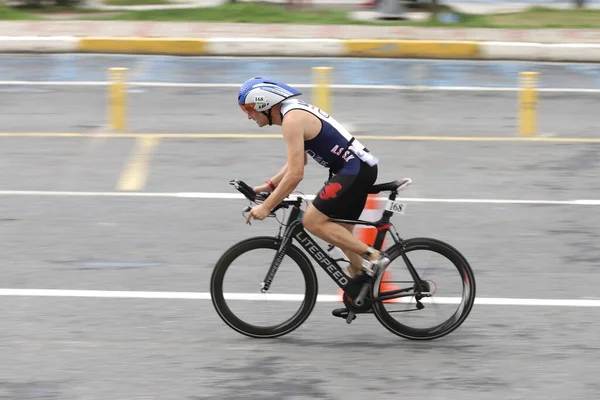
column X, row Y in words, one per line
column 295, row 230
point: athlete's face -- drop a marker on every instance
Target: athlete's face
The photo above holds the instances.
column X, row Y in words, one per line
column 260, row 118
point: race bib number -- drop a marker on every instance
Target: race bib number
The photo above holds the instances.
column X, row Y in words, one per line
column 395, row 206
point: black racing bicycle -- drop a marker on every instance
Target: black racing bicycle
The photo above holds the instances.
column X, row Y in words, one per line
column 266, row 260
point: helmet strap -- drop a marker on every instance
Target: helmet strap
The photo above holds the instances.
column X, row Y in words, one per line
column 268, row 114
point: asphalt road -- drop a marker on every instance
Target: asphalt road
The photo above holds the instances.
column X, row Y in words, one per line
column 457, row 98
column 118, row 348
column 192, row 110
column 355, row 71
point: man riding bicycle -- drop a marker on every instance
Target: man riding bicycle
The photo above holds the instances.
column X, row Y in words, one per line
column 308, row 130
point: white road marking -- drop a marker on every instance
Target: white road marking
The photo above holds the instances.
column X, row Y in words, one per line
column 301, row 86
column 115, row 294
column 235, row 196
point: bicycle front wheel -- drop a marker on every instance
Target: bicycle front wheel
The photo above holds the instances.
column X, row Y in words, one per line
column 436, row 305
column 236, row 284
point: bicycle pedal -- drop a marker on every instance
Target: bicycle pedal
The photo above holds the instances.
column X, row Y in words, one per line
column 343, row 313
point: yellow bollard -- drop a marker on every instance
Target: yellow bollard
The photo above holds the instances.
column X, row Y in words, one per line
column 117, row 101
column 322, row 91
column 528, row 98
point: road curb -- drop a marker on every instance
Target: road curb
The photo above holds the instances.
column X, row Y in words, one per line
column 368, row 48
column 143, row 45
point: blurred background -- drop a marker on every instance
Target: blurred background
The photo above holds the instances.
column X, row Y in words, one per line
column 115, row 202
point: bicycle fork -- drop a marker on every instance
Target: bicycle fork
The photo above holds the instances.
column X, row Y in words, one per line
column 277, row 259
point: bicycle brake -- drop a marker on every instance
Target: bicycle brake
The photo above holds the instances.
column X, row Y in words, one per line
column 246, row 210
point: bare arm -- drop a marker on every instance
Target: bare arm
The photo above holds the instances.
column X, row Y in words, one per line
column 293, row 134
column 277, row 178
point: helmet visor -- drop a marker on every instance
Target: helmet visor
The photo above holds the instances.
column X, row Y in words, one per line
column 247, row 108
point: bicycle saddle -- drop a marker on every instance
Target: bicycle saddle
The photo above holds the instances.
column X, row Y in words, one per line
column 390, row 186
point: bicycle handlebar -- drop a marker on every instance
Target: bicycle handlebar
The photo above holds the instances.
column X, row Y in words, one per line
column 251, row 195
column 246, row 190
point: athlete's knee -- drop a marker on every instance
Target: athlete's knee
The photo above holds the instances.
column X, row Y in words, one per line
column 313, row 219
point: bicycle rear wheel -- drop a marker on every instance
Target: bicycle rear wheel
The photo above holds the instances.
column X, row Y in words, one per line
column 454, row 307
column 292, row 295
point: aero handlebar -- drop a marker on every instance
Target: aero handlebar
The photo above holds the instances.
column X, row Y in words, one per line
column 254, row 197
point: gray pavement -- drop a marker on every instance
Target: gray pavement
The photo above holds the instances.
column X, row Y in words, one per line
column 183, row 110
column 507, row 243
column 118, row 348
column 179, row 350
column 467, row 107
column 345, row 71
column 110, row 348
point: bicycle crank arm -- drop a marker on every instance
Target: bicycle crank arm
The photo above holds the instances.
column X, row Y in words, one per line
column 350, row 317
column 360, row 299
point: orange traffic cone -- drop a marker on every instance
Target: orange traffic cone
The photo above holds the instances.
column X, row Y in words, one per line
column 367, row 234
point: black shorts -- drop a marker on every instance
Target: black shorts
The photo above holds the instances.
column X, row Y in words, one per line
column 345, row 196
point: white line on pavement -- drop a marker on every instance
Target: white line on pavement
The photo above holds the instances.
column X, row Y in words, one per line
column 235, row 196
column 114, row 294
column 302, row 86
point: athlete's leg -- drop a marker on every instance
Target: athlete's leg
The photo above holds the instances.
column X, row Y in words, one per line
column 355, row 259
column 319, row 225
column 344, row 197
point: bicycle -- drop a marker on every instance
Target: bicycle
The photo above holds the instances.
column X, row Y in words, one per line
column 370, row 299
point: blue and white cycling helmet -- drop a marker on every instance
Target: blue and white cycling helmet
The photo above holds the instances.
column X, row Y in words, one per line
column 261, row 94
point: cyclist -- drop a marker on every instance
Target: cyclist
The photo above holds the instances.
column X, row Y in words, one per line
column 308, row 130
